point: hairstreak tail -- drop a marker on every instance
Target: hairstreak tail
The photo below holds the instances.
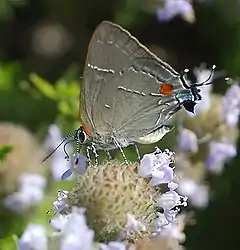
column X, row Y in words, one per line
column 128, row 94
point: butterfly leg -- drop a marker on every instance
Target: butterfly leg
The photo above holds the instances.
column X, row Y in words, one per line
column 88, row 155
column 121, row 150
column 137, row 151
column 95, row 154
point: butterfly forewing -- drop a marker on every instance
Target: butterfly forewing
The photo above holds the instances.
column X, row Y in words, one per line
column 116, row 59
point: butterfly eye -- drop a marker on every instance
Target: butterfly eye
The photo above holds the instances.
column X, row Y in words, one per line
column 166, row 89
column 81, row 135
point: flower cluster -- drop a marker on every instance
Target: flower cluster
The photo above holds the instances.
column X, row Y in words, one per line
column 122, row 204
column 30, row 193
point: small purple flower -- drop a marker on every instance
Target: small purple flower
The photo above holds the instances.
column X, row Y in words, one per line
column 157, row 166
column 30, row 193
column 197, row 193
column 75, row 232
column 201, row 198
column 172, row 186
column 60, row 205
column 133, row 225
column 187, row 141
column 171, row 199
column 173, row 230
column 219, row 154
column 170, row 214
column 231, row 105
column 173, row 8
column 163, row 175
column 58, row 223
column 34, row 238
column 78, row 164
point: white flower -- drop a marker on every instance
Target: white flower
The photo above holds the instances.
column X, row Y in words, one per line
column 78, row 164
column 75, row 233
column 33, row 238
column 173, row 8
column 197, row 194
column 33, row 180
column 231, row 105
column 170, row 200
column 201, row 198
column 31, row 193
column 60, row 205
column 58, row 223
column 187, row 141
column 157, row 166
column 219, row 154
column 23, row 199
column 133, row 225
column 172, row 230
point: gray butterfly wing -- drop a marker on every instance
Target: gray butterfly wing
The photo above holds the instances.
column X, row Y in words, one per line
column 116, row 59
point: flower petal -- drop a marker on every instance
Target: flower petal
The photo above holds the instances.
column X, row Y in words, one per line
column 146, row 165
column 68, row 173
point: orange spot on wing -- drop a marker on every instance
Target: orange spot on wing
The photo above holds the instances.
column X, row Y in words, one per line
column 86, row 128
column 166, row 89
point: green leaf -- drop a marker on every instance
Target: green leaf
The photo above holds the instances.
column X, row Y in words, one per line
column 4, row 150
column 43, row 86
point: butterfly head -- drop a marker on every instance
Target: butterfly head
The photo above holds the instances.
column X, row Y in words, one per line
column 80, row 136
column 189, row 97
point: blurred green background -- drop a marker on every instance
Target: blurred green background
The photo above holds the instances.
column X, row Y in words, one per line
column 43, row 45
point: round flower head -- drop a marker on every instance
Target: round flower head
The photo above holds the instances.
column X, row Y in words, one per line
column 124, row 200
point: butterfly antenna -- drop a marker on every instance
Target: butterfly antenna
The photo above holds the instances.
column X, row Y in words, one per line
column 209, row 77
column 182, row 74
column 67, row 137
column 65, row 148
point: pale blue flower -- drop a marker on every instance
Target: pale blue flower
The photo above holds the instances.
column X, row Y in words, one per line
column 133, row 225
column 59, row 222
column 61, row 204
column 198, row 194
column 75, row 233
column 30, row 193
column 173, row 230
column 171, row 199
column 187, row 141
column 157, row 166
column 231, row 105
column 33, row 238
column 173, row 8
column 219, row 154
column 78, row 164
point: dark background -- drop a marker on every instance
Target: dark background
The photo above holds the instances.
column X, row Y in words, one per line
column 213, row 38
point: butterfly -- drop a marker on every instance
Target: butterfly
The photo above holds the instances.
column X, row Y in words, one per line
column 128, row 94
